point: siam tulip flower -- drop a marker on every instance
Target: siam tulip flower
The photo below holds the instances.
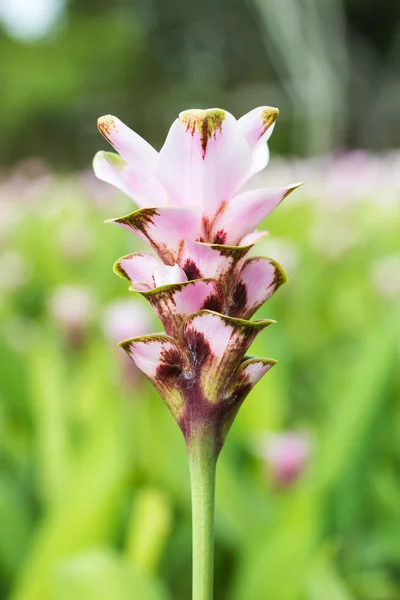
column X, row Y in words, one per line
column 199, row 279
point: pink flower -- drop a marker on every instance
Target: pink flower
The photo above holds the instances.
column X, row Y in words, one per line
column 71, row 307
column 125, row 319
column 287, row 455
column 200, row 281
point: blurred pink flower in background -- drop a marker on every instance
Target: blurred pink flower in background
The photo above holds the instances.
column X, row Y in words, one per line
column 125, row 319
column 340, row 180
column 287, row 455
column 71, row 307
column 10, row 214
column 28, row 181
column 100, row 194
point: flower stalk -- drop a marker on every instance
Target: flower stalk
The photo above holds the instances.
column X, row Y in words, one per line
column 199, row 280
column 202, row 464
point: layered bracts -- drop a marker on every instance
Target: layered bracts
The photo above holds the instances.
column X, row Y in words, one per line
column 199, row 279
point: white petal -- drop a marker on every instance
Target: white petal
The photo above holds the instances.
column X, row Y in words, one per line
column 138, row 268
column 204, row 160
column 246, row 211
column 131, row 146
column 139, row 184
column 164, row 275
column 257, row 126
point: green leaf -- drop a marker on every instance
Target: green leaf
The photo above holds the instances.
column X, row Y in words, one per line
column 103, row 575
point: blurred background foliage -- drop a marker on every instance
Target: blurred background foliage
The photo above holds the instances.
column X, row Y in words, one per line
column 94, row 486
column 330, row 65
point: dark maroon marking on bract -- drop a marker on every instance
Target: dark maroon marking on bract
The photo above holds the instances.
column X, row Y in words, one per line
column 239, row 300
column 220, row 237
column 199, row 347
column 212, row 302
column 191, row 269
column 170, row 367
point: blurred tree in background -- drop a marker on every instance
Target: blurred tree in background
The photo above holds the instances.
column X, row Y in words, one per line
column 329, row 65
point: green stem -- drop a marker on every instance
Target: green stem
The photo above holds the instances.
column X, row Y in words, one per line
column 202, row 462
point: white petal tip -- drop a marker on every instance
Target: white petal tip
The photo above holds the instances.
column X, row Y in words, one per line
column 291, row 188
column 269, row 115
column 106, row 125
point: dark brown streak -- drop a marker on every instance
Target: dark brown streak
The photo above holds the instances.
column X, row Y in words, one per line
column 239, row 300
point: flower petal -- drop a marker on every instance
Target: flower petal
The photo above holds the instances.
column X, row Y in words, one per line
column 137, row 183
column 204, row 160
column 252, row 369
column 200, row 260
column 163, row 228
column 253, row 237
column 172, row 301
column 217, row 345
column 249, row 373
column 168, row 275
column 163, row 362
column 258, row 279
column 131, row 146
column 260, row 160
column 138, row 268
column 243, row 213
column 257, row 126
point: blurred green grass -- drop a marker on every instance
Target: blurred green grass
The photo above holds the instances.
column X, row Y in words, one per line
column 94, row 487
